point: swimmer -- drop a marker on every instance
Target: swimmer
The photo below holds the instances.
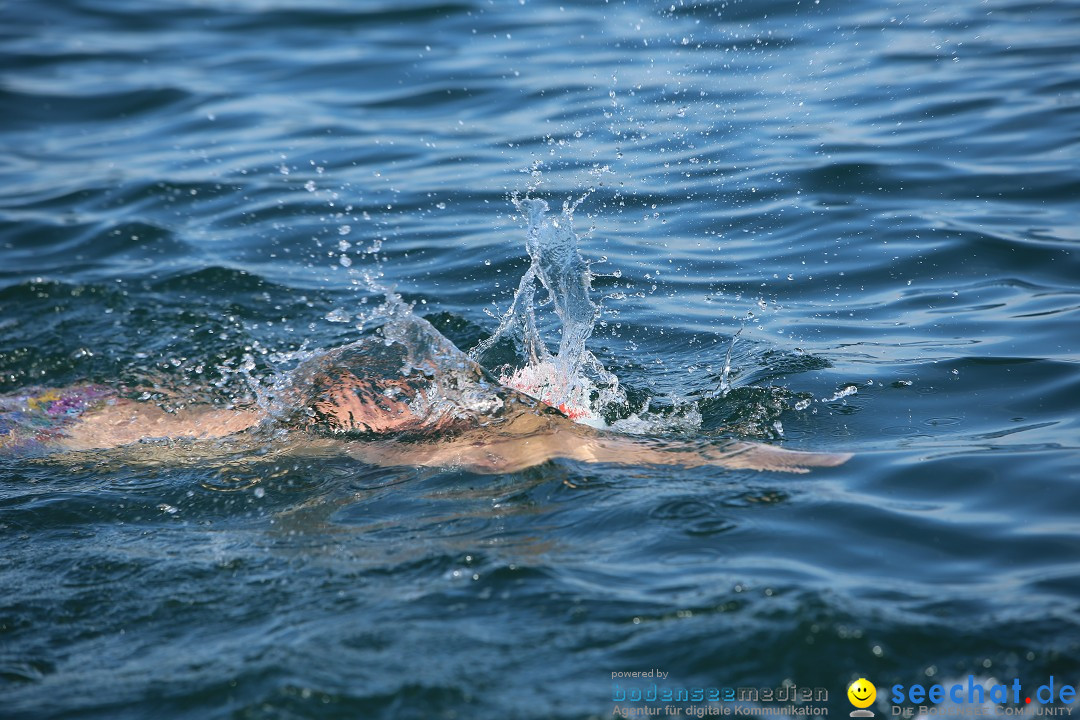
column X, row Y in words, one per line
column 408, row 397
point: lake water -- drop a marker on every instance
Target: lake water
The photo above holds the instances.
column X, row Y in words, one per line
column 881, row 195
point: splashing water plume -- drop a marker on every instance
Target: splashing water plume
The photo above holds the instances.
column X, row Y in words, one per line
column 572, row 379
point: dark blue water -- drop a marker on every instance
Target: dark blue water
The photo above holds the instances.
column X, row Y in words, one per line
column 882, row 194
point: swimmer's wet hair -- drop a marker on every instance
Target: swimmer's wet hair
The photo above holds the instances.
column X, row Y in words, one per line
column 361, row 390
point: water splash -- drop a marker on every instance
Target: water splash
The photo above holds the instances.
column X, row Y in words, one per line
column 416, row 372
column 572, row 378
column 725, row 375
column 404, row 378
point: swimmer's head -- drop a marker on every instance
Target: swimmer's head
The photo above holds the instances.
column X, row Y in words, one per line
column 361, row 389
column 345, row 403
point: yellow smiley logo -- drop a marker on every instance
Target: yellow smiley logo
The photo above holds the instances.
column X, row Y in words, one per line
column 861, row 693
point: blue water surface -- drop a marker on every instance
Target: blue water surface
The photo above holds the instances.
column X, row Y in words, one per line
column 881, row 195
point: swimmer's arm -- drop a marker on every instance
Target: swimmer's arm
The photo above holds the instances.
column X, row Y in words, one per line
column 127, row 422
column 507, row 454
column 623, row 450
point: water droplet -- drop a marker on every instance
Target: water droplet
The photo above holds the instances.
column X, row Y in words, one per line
column 842, row 393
